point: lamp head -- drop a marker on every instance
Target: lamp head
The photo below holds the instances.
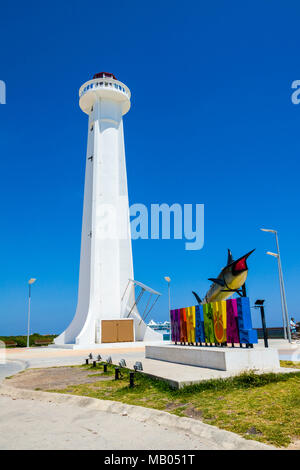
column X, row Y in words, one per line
column 268, row 230
column 167, row 278
column 272, row 254
column 31, row 281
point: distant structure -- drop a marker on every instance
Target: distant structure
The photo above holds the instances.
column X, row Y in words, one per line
column 107, row 308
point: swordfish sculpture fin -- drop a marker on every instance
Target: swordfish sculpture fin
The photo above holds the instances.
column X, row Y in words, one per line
column 197, row 297
column 220, row 282
column 229, row 257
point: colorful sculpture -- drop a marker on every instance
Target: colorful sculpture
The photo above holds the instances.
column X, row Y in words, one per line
column 219, row 323
column 230, row 280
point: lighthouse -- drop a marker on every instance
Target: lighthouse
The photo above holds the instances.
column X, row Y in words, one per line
column 106, row 308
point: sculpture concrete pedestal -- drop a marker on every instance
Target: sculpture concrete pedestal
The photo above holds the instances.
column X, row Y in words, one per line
column 226, row 358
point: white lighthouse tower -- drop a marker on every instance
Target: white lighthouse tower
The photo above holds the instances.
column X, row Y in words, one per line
column 106, row 266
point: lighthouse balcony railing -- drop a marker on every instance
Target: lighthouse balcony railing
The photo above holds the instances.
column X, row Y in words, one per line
column 94, row 85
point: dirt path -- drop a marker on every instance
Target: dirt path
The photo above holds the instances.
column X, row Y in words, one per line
column 54, row 378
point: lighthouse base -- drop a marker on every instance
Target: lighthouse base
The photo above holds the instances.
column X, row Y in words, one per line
column 94, row 346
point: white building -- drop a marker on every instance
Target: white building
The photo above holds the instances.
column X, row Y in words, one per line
column 106, row 256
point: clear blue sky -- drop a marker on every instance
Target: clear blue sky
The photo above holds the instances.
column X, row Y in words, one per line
column 211, row 122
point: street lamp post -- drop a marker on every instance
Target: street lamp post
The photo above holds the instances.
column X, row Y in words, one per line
column 168, row 279
column 30, row 282
column 286, row 328
column 281, row 293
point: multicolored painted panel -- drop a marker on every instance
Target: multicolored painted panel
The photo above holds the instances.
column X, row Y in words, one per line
column 232, row 321
column 208, row 323
column 200, row 335
column 214, row 323
column 219, row 317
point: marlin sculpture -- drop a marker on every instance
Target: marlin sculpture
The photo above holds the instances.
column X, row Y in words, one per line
column 231, row 279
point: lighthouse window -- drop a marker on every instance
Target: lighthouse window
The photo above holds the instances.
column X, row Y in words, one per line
column 106, row 84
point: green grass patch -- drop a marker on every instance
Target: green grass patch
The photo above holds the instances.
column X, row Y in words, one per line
column 293, row 365
column 262, row 407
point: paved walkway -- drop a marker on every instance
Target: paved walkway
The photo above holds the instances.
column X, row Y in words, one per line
column 28, row 424
column 41, row 420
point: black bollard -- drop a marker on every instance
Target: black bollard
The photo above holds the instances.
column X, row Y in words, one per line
column 260, row 304
column 131, row 379
column 105, row 368
column 94, row 363
column 263, row 320
column 117, row 372
column 86, row 362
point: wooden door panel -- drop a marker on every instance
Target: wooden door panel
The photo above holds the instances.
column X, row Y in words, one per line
column 109, row 331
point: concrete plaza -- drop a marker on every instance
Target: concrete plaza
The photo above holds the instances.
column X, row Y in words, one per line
column 39, row 420
column 176, row 374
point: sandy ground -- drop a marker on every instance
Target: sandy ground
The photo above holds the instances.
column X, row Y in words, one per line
column 31, row 424
column 55, row 378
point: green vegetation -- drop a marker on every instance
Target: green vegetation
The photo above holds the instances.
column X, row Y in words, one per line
column 262, row 407
column 293, row 365
column 21, row 341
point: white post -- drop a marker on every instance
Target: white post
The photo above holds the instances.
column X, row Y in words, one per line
column 169, row 289
column 283, row 292
column 282, row 289
column 30, row 282
column 282, row 303
column 28, row 326
column 168, row 279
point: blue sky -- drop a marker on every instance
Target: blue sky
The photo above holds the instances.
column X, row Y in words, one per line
column 211, row 122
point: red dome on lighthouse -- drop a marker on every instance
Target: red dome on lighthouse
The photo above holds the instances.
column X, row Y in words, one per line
column 104, row 75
